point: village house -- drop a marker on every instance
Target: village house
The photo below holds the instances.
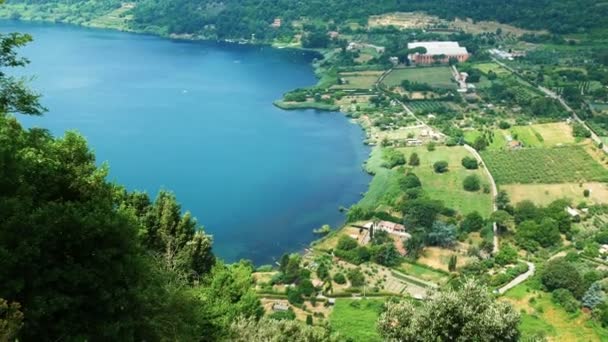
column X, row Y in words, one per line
column 440, row 52
column 389, row 227
column 276, row 23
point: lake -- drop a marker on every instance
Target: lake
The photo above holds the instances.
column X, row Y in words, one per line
column 197, row 118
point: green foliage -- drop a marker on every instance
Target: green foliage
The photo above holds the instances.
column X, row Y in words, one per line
column 11, row 320
column 470, row 163
column 506, row 255
column 414, row 159
column 339, row 278
column 560, row 274
column 393, row 158
column 468, row 314
column 441, row 234
column 269, row 329
column 580, row 131
column 15, row 96
column 288, row 315
column 530, row 235
column 471, row 183
column 472, row 222
column 440, row 166
column 356, row 277
column 565, row 299
column 452, row 263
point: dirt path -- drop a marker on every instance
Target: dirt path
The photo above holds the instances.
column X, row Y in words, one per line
column 494, row 192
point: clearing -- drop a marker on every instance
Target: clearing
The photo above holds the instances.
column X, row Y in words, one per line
column 543, row 194
column 448, row 186
column 356, row 318
column 358, row 80
column 437, row 77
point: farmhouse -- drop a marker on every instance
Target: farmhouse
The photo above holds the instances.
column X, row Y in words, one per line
column 280, row 307
column 389, row 227
column 437, row 52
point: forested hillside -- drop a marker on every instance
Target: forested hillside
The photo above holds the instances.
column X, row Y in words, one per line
column 233, row 19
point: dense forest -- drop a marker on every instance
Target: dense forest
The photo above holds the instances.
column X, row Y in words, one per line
column 241, row 18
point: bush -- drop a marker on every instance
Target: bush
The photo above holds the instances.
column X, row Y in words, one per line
column 506, row 255
column 471, row 183
column 347, row 243
column 430, row 147
column 565, row 299
column 339, row 278
column 414, row 159
column 586, row 192
column 356, row 278
column 288, row 315
column 504, row 125
column 472, row 222
column 470, row 163
column 393, row 158
column 441, row 166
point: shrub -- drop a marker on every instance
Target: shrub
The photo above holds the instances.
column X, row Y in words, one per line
column 288, row 315
column 414, row 159
column 506, row 255
column 472, row 222
column 356, row 278
column 339, row 278
column 471, row 183
column 586, row 192
column 470, row 163
column 430, row 146
column 565, row 299
column 504, row 125
column 441, row 166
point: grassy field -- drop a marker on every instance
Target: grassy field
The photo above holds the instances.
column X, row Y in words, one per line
column 438, row 77
column 382, row 185
column 487, row 67
column 356, row 319
column 358, row 79
column 499, row 141
column 448, row 186
column 424, row 273
column 539, row 135
column 545, row 318
column 544, row 194
column 544, row 165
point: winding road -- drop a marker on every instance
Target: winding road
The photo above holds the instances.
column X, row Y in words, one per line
column 519, row 279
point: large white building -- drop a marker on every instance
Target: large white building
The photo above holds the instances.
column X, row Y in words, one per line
column 445, row 49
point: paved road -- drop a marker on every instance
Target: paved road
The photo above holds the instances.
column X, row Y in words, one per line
column 494, row 193
column 519, row 279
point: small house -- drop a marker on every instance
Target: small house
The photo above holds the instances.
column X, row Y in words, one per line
column 573, row 212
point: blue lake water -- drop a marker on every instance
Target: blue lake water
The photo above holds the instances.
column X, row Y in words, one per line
column 197, row 118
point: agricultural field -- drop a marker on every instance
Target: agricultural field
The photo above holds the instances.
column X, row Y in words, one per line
column 437, row 77
column 541, row 316
column 355, row 319
column 498, row 141
column 448, row 186
column 543, row 194
column 421, row 106
column 487, row 67
column 539, row 135
column 358, row 80
column 544, row 165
